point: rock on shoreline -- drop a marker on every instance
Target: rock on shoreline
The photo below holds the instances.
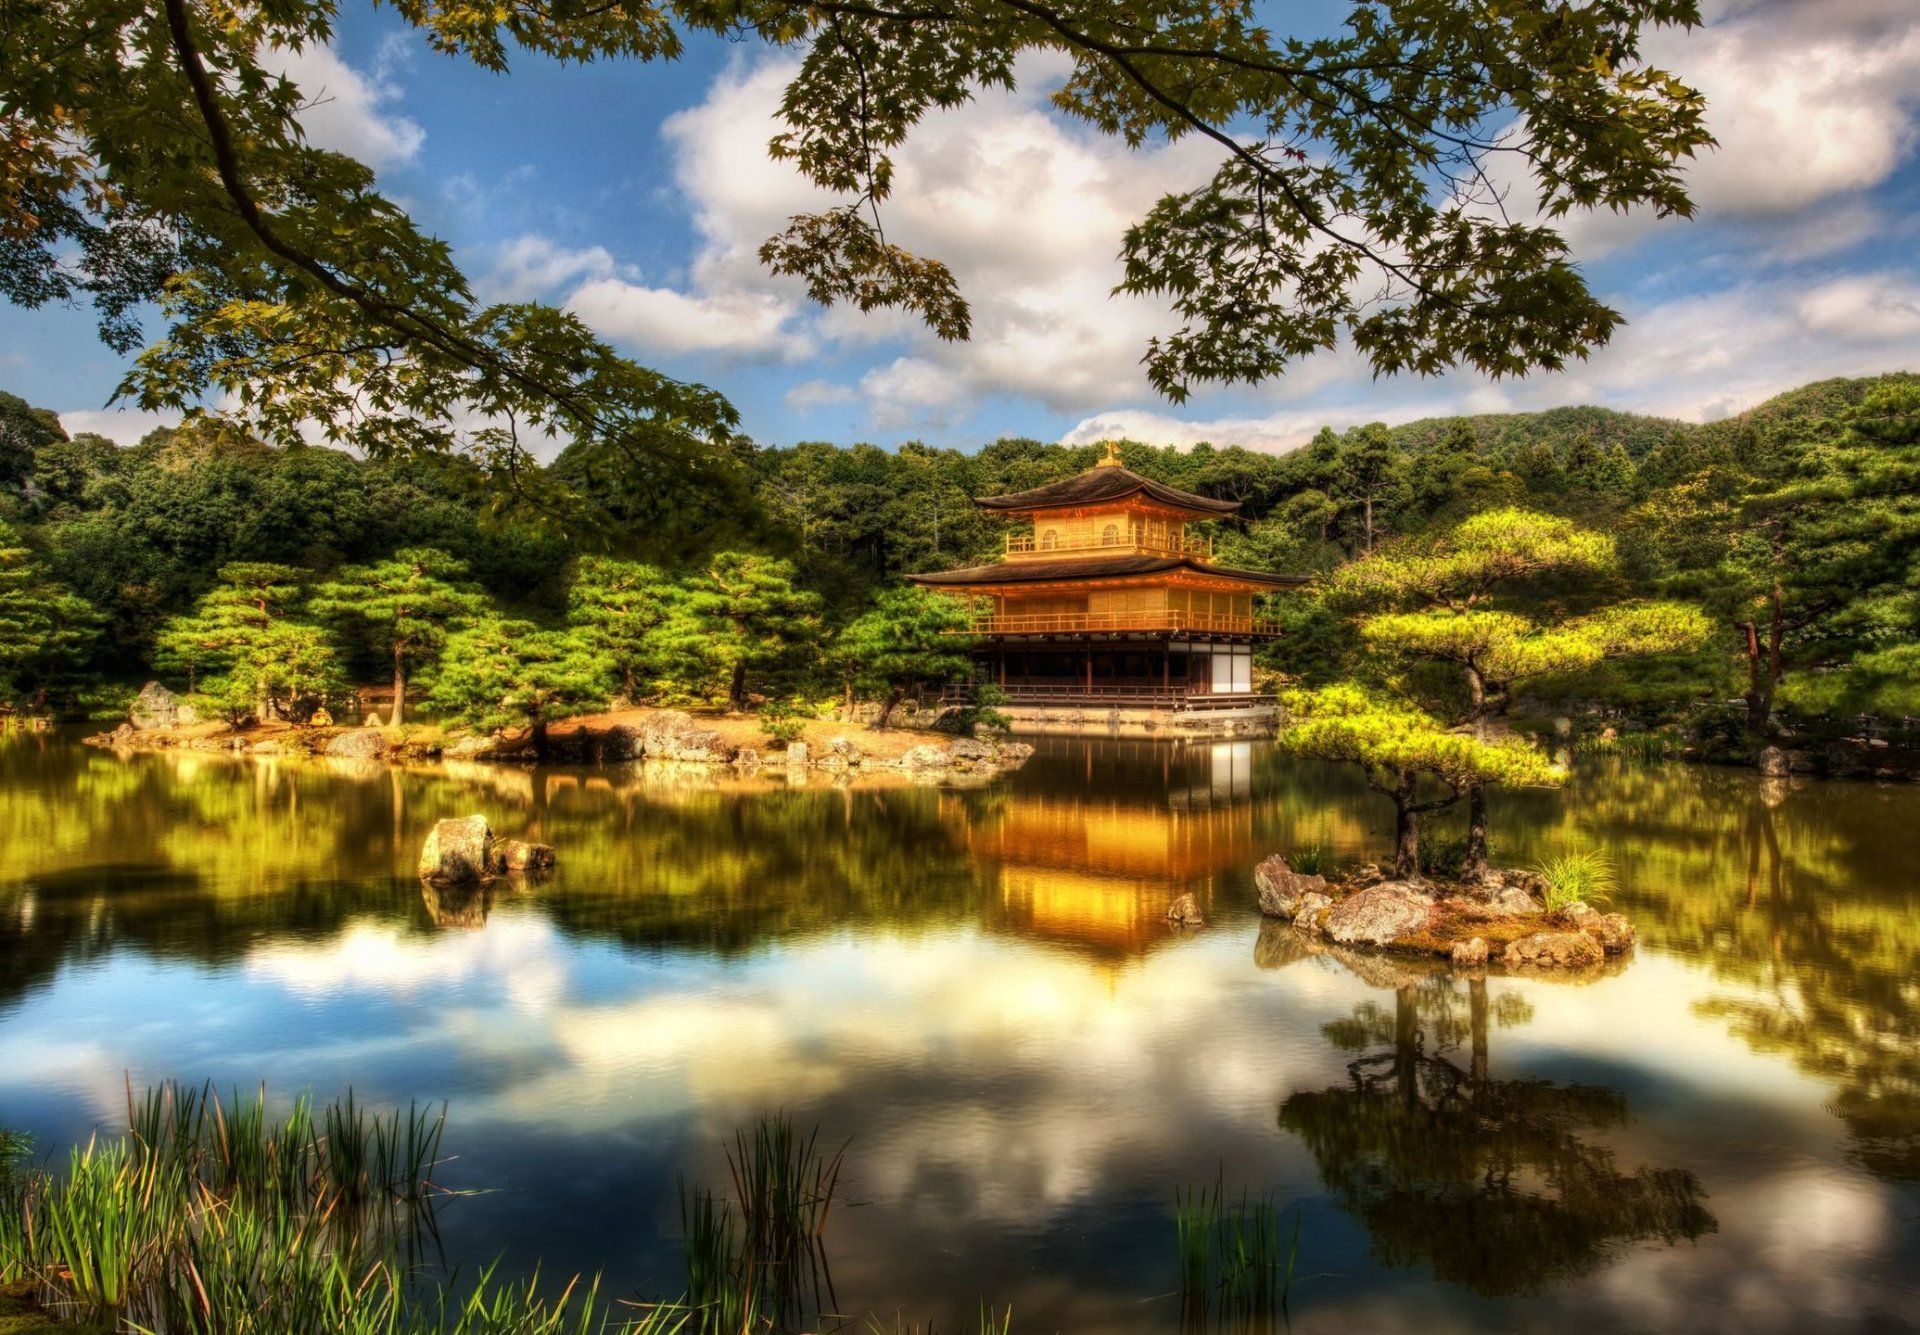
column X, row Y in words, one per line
column 664, row 736
column 1496, row 921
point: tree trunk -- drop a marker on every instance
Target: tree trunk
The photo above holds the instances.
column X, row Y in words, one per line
column 540, row 740
column 737, row 691
column 1473, row 865
column 1406, row 832
column 1477, row 1025
column 399, row 685
column 1406, row 1043
column 887, row 706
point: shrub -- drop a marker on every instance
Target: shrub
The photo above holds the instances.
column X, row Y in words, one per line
column 782, row 722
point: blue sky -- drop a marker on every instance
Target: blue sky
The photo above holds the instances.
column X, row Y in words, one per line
column 637, row 195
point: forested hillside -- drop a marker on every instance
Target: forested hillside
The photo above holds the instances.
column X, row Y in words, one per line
column 1793, row 526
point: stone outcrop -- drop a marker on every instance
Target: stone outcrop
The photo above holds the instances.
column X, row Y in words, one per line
column 1612, row 931
column 1309, row 915
column 1281, row 888
column 1555, row 950
column 158, row 707
column 1185, row 912
column 458, row 850
column 1773, row 762
column 1379, row 915
column 359, row 744
column 671, row 735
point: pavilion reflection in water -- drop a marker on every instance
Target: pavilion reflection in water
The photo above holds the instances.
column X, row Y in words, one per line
column 1096, row 864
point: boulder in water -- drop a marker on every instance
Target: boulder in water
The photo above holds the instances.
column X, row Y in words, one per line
column 1282, row 888
column 1555, row 950
column 518, row 855
column 1185, row 912
column 458, row 850
column 1379, row 915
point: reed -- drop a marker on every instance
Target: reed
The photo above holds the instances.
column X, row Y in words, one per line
column 760, row 1257
column 1233, row 1266
column 991, row 1323
column 212, row 1216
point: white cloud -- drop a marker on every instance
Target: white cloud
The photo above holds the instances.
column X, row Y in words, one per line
column 124, row 426
column 529, row 267
column 729, row 321
column 1870, row 308
column 813, row 394
column 348, row 111
column 1028, row 212
column 1807, row 99
column 1696, row 357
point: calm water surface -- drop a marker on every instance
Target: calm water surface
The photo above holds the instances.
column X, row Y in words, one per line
column 976, row 990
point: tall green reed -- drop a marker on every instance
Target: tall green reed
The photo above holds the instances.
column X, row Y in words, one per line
column 1233, row 1267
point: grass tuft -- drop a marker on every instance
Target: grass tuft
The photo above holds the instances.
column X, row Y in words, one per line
column 1573, row 878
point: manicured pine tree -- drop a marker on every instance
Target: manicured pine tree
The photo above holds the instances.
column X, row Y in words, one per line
column 245, row 646
column 1397, row 747
column 498, row 673
column 1448, row 585
column 618, row 608
column 45, row 628
column 405, row 604
column 910, row 637
column 741, row 614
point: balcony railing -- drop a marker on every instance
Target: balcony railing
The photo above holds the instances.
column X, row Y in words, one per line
column 1057, row 622
column 1117, row 694
column 1132, row 540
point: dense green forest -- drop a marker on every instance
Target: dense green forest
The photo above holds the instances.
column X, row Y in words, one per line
column 1793, row 527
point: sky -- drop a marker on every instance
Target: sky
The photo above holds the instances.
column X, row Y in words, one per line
column 638, row 195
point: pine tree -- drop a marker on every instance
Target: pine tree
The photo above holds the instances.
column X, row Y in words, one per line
column 406, row 604
column 498, row 673
column 1397, row 746
column 740, row 614
column 45, row 628
column 909, row 637
column 246, row 647
column 619, row 607
column 1446, row 588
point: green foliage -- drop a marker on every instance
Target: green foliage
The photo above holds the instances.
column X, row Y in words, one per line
column 782, row 722
column 45, row 630
column 1234, row 1267
column 741, row 615
column 499, row 673
column 910, row 637
column 405, row 605
column 618, row 608
column 1400, row 749
column 246, row 648
column 211, row 1215
column 1314, row 859
column 1586, row 877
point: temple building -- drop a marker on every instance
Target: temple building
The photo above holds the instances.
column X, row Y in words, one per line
column 1107, row 604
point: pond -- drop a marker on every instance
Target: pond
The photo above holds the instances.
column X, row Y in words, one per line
column 975, row 991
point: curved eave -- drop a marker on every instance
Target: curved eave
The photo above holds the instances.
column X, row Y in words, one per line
column 1104, row 486
column 1013, row 574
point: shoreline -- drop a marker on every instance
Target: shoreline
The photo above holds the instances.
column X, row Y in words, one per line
column 719, row 745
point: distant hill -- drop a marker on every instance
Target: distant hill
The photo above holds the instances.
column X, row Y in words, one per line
column 1557, row 428
column 1799, row 414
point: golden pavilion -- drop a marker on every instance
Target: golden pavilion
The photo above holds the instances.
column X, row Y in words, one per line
column 1105, row 599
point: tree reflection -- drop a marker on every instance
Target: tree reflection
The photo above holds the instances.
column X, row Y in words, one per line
column 1490, row 1182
